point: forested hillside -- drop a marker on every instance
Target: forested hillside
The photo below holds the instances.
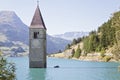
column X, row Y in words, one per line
column 105, row 37
column 106, row 40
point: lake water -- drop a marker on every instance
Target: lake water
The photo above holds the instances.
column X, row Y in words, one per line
column 69, row 70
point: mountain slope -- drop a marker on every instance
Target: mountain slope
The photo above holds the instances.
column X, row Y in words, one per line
column 12, row 27
column 56, row 44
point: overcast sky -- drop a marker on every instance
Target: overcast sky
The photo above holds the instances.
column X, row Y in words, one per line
column 64, row 15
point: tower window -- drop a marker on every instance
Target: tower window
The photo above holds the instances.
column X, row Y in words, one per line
column 36, row 35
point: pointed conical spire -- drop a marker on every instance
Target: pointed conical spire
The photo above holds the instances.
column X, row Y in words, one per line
column 37, row 21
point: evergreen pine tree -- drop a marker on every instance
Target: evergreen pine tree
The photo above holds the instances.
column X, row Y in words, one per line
column 73, row 52
column 78, row 52
column 74, row 42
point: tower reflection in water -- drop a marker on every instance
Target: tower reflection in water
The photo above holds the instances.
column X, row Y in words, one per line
column 37, row 74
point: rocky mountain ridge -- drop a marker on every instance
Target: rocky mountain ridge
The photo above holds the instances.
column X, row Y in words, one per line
column 72, row 35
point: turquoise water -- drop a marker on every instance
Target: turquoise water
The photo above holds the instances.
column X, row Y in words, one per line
column 69, row 70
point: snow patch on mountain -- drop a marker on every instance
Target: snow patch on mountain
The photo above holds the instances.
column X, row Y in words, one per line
column 71, row 35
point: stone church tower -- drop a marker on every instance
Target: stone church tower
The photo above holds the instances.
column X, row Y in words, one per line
column 37, row 41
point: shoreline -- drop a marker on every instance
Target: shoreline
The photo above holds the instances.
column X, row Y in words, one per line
column 93, row 58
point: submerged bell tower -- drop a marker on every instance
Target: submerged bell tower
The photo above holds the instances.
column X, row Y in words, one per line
column 37, row 41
